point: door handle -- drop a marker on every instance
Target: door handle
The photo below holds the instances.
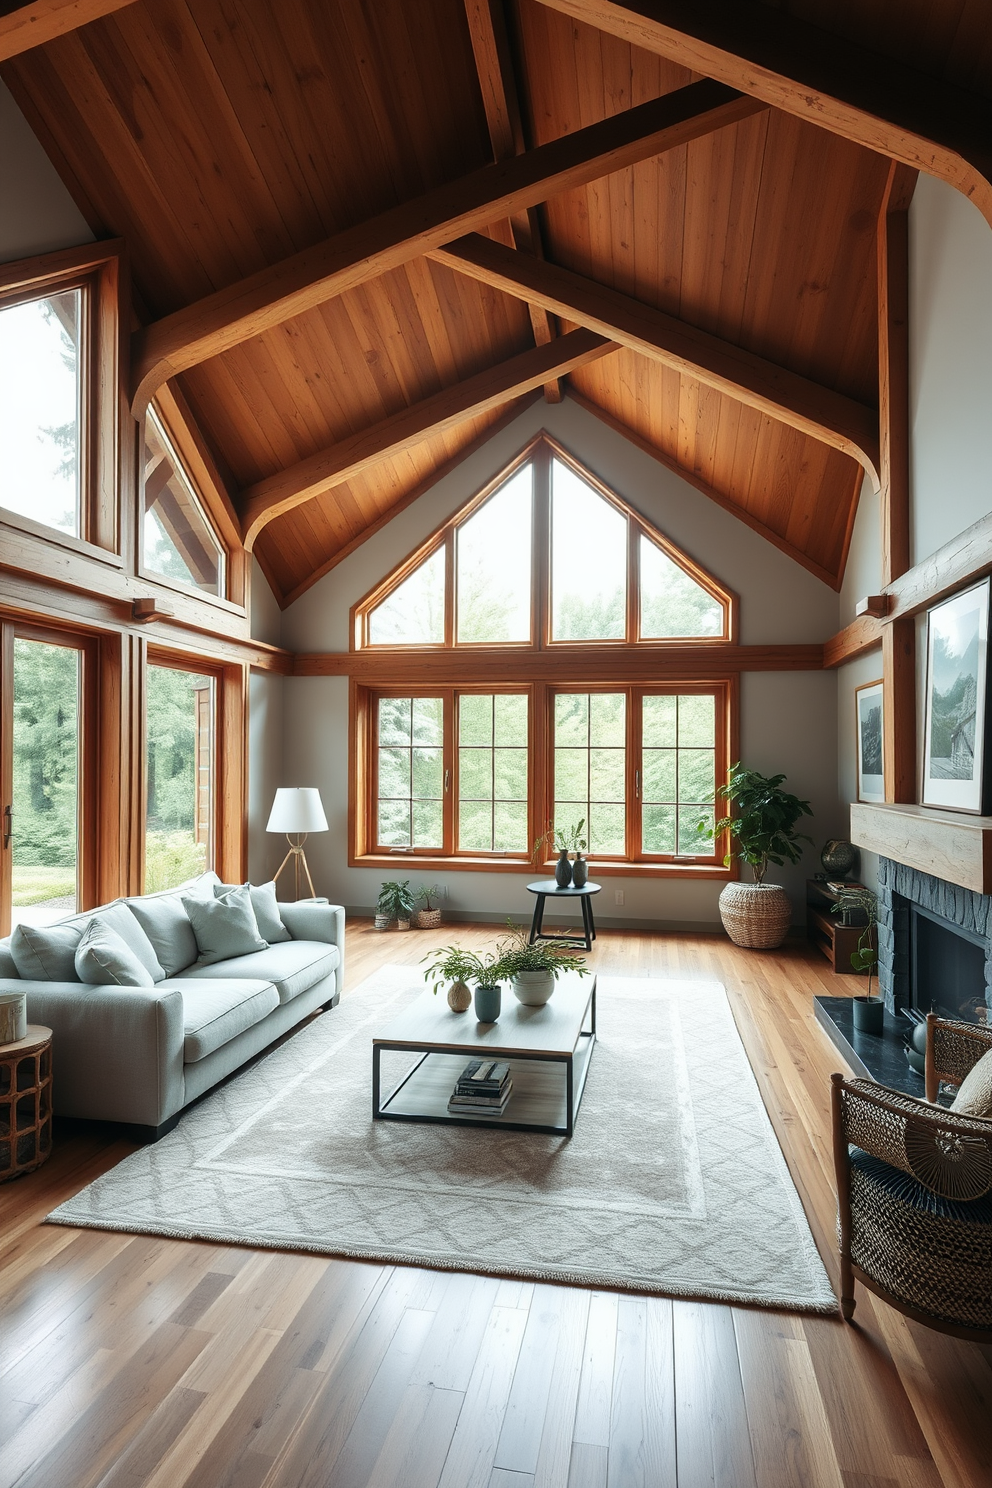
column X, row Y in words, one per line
column 7, row 829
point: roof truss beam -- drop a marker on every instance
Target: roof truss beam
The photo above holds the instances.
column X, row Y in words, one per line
column 875, row 101
column 43, row 20
column 274, row 295
column 817, row 411
column 270, row 498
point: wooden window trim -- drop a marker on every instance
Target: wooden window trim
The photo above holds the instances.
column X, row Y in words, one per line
column 542, row 449
column 99, row 270
column 363, row 852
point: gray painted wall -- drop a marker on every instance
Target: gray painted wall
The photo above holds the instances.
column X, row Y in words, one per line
column 787, row 719
column 37, row 214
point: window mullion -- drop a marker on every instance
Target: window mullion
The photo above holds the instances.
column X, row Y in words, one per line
column 541, row 548
column 449, row 765
column 635, row 773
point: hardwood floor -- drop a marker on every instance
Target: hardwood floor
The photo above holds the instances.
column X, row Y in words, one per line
column 129, row 1360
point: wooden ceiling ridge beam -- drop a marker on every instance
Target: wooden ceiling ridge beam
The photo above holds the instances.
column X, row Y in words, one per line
column 370, row 249
column 820, row 412
column 501, row 102
column 279, row 493
column 874, row 100
column 33, row 25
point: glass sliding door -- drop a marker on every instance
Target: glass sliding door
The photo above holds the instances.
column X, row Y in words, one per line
column 43, row 820
column 180, row 711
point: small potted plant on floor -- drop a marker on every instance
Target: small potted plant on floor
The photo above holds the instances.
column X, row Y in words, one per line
column 532, row 970
column 869, row 1011
column 762, row 831
column 396, row 902
column 429, row 917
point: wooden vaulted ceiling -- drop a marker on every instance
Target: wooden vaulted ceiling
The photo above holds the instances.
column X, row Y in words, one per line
column 220, row 138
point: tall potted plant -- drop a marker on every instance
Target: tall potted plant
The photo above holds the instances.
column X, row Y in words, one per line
column 762, row 828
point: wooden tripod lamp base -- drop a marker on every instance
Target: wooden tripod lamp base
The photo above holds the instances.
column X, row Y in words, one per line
column 297, row 811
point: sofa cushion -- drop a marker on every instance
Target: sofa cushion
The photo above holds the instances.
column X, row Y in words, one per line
column 104, row 958
column 167, row 927
column 216, row 1011
column 224, row 927
column 119, row 918
column 266, row 907
column 46, row 953
column 8, row 970
column 292, row 968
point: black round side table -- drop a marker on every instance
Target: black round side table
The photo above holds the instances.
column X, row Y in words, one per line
column 547, row 888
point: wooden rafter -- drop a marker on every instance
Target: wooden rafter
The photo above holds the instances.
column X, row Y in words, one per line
column 817, row 411
column 32, row 25
column 497, row 83
column 261, row 503
column 309, row 278
column 828, row 80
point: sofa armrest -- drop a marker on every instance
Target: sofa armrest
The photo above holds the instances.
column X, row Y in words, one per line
column 117, row 1052
column 308, row 921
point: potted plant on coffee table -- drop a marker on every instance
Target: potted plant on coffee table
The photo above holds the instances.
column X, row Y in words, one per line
column 458, row 966
column 396, row 902
column 532, row 970
column 869, row 1011
column 762, row 830
column 429, row 917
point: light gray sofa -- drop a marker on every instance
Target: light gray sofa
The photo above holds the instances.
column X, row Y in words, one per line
column 139, row 1055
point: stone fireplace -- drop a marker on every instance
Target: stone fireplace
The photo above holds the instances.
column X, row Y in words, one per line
column 933, row 944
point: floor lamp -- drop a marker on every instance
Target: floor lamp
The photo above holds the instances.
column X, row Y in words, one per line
column 297, row 811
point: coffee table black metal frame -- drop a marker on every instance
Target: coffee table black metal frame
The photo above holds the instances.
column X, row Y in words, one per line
column 547, row 888
column 575, row 1081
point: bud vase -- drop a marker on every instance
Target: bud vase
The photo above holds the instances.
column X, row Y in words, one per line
column 580, row 871
column 563, row 871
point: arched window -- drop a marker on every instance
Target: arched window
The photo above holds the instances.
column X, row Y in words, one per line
column 546, row 658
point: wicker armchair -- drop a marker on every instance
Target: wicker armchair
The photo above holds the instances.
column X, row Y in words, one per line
column 914, row 1190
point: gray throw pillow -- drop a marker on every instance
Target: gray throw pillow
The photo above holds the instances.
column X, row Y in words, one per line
column 104, row 959
column 167, row 926
column 224, row 927
column 119, row 918
column 263, row 902
column 8, row 970
column 45, row 953
column 974, row 1098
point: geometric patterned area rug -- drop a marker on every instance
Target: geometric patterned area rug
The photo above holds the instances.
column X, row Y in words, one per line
column 673, row 1183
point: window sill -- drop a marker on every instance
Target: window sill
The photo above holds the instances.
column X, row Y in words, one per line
column 700, row 872
column 59, row 538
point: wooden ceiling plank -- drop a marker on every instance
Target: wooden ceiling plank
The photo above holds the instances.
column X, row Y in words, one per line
column 270, row 498
column 814, row 410
column 45, row 20
column 273, row 295
column 876, row 101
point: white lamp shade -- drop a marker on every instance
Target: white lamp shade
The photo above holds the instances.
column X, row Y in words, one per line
column 297, row 809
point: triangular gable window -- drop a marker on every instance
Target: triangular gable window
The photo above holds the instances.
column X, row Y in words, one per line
column 179, row 541
column 608, row 577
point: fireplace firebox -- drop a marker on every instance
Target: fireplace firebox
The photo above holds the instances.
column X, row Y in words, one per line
column 947, row 967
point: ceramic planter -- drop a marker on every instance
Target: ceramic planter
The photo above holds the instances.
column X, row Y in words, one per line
column 459, row 997
column 487, row 1003
column 869, row 1014
column 533, row 988
column 755, row 915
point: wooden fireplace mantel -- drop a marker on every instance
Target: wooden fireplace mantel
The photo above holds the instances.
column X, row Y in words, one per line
column 948, row 844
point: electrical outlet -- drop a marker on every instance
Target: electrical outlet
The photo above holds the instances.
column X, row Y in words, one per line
column 618, row 896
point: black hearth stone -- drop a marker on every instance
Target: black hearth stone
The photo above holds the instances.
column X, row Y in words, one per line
column 876, row 1056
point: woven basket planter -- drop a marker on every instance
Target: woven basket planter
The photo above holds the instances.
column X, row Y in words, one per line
column 427, row 919
column 755, row 915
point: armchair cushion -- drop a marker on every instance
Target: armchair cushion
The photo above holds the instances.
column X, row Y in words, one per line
column 974, row 1098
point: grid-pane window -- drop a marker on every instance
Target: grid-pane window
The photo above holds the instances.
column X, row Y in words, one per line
column 590, row 761
column 40, row 416
column 410, row 783
column 492, row 772
column 678, row 786
column 179, row 542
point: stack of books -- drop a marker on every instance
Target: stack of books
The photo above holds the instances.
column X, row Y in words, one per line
column 484, row 1087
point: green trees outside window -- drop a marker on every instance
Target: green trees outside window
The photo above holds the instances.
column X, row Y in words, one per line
column 179, row 758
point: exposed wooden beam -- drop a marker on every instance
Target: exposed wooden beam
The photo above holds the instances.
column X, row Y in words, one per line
column 273, row 295
column 962, row 561
column 586, row 663
column 500, row 100
column 32, row 25
column 899, row 712
column 818, row 411
column 876, row 101
column 892, row 241
column 263, row 502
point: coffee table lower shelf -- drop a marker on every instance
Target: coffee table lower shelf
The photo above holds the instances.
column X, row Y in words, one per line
column 547, row 1089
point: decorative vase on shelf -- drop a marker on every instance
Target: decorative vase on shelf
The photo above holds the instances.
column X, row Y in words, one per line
column 563, row 871
column 459, row 997
column 487, row 1003
column 838, row 857
column 580, row 871
column 533, row 988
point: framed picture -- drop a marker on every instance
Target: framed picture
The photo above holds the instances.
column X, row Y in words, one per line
column 955, row 720
column 868, row 713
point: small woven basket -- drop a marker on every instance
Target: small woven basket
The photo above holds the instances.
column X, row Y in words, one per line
column 755, row 915
column 427, row 919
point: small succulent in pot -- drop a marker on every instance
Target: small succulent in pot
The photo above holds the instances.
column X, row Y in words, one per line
column 396, row 902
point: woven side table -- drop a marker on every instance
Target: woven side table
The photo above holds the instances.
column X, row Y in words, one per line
column 25, row 1102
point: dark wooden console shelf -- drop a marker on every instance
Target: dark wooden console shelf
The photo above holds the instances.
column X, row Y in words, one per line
column 836, row 941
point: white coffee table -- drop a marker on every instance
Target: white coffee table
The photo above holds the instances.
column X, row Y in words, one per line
column 548, row 1050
